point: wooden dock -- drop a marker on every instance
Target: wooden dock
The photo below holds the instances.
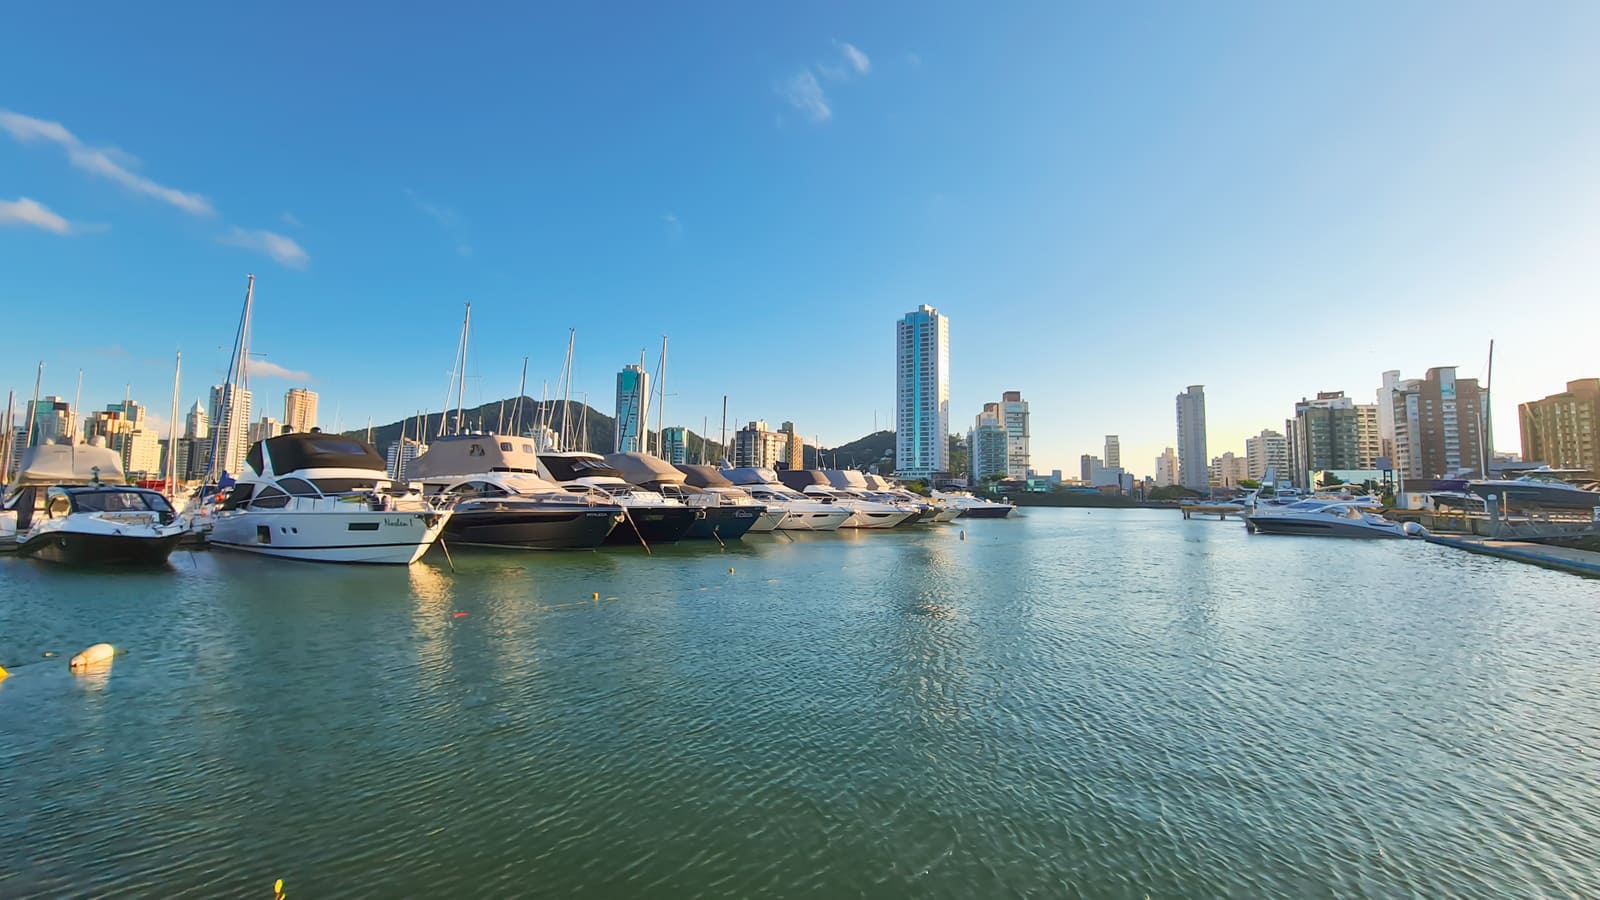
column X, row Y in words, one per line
column 1221, row 510
column 1566, row 559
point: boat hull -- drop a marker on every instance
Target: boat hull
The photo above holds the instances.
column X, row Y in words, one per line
column 368, row 537
column 655, row 524
column 770, row 520
column 1516, row 496
column 727, row 522
column 876, row 520
column 1310, row 526
column 539, row 529
column 80, row 549
column 814, row 520
column 997, row 511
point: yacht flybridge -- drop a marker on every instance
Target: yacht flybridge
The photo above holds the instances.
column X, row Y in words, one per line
column 70, row 506
column 648, row 516
column 324, row 498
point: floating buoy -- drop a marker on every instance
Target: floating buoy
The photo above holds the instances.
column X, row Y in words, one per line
column 277, row 890
column 3, row 673
column 459, row 615
column 99, row 653
column 730, row 570
column 597, row 595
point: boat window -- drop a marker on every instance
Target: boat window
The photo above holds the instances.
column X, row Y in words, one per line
column 298, row 487
column 506, row 446
column 238, row 496
column 118, row 501
column 527, row 448
column 332, row 486
column 59, row 505
column 270, row 498
column 479, row 489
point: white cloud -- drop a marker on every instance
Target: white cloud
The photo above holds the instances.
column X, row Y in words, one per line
column 674, row 226
column 804, row 93
column 107, row 162
column 32, row 214
column 261, row 368
column 280, row 248
column 444, row 215
column 854, row 57
column 291, row 220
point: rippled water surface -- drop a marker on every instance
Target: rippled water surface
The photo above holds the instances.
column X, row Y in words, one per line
column 1112, row 703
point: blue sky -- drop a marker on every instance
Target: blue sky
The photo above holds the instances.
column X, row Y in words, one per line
column 1109, row 204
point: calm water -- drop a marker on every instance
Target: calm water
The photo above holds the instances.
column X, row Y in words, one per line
column 1112, row 703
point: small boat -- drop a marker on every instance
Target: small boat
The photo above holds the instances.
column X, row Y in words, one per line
column 324, row 498
column 1314, row 517
column 801, row 513
column 61, row 510
column 725, row 517
column 975, row 507
column 647, row 516
column 1536, row 489
column 497, row 498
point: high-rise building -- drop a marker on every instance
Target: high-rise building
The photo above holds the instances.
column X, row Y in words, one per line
column 1228, row 470
column 52, row 421
column 1113, row 452
column 268, row 427
column 1438, row 425
column 193, row 454
column 300, row 410
column 1193, row 464
column 759, row 446
column 1563, row 430
column 1167, row 468
column 115, row 419
column 633, row 409
column 922, row 394
column 398, row 460
column 988, row 444
column 1014, row 415
column 1391, row 382
column 675, row 444
column 794, row 453
column 1087, row 466
column 230, row 417
column 1369, row 436
column 1267, row 451
column 199, row 424
column 141, row 452
column 1324, row 434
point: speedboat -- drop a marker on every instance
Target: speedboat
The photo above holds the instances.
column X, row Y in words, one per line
column 497, row 498
column 724, row 517
column 801, row 513
column 706, row 480
column 1536, row 489
column 975, row 507
column 1313, row 517
column 63, row 512
column 863, row 513
column 647, row 516
column 324, row 498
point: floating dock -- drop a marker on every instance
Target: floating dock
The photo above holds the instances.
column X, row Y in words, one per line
column 1566, row 559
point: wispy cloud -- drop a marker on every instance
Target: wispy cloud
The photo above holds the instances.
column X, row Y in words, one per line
column 280, row 248
column 106, row 162
column 446, row 218
column 291, row 220
column 25, row 213
column 674, row 227
column 262, row 368
column 803, row 90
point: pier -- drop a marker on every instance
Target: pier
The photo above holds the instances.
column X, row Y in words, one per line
column 1566, row 559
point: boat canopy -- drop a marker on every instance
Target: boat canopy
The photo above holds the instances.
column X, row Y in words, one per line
column 800, row 479
column 313, row 450
column 703, row 476
column 645, row 470
column 847, row 479
column 69, row 464
column 880, row 483
column 565, row 467
column 475, row 454
column 750, row 475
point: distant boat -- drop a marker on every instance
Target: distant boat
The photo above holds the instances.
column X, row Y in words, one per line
column 816, row 485
column 975, row 507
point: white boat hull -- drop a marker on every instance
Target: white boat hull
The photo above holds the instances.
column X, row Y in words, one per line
column 354, row 536
column 769, row 521
column 871, row 519
column 814, row 520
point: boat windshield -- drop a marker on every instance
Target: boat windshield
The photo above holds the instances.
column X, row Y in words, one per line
column 119, row 501
column 332, row 487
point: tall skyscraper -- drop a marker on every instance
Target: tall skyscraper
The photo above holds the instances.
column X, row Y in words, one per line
column 268, row 427
column 199, row 424
column 922, row 394
column 1325, row 433
column 300, row 410
column 230, row 417
column 795, row 452
column 1438, row 425
column 51, row 418
column 1268, row 450
column 633, row 409
column 1194, row 471
column 401, row 453
column 1167, row 468
column 988, row 444
column 675, row 444
column 1113, row 452
column 1391, row 382
column 1014, row 415
column 1563, row 430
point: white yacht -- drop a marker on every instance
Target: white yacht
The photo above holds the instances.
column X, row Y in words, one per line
column 974, row 507
column 709, row 481
column 324, row 498
column 723, row 516
column 1316, row 517
column 62, row 510
column 648, row 516
column 801, row 513
column 863, row 513
column 855, row 484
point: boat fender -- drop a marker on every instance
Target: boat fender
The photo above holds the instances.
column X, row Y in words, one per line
column 99, row 653
column 1415, row 529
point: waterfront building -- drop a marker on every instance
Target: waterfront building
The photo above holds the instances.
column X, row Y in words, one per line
column 268, row 427
column 52, row 421
column 1193, row 471
column 987, row 444
column 632, row 410
column 1268, row 450
column 116, row 419
column 193, row 455
column 141, row 452
column 300, row 410
column 1014, row 415
column 1228, row 470
column 1113, row 452
column 675, row 444
column 1563, row 430
column 1167, row 468
column 398, row 460
column 1369, row 435
column 1324, row 434
column 922, row 394
column 198, row 424
column 758, row 446
column 1438, row 423
column 230, row 422
column 794, row 454
column 1391, row 383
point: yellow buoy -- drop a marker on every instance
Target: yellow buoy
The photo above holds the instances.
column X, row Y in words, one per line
column 730, row 570
column 597, row 595
column 3, row 673
column 99, row 653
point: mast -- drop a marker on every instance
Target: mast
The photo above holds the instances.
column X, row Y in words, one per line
column 369, row 429
column 461, row 383
column 33, row 408
column 72, row 424
column 566, row 397
column 455, row 370
column 583, row 425
column 661, row 402
column 8, row 438
column 705, row 428
column 516, row 408
column 725, row 427
column 172, row 430
column 241, row 353
column 1486, row 432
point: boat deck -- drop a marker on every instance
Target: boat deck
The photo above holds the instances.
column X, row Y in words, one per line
column 1566, row 559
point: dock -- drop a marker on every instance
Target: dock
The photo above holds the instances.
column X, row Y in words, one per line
column 1566, row 559
column 1220, row 510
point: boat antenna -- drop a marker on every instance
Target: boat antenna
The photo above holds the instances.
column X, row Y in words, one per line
column 33, row 408
column 172, row 430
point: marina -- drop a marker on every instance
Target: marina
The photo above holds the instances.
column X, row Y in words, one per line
column 1117, row 700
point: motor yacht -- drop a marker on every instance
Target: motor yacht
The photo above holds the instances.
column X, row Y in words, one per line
column 324, row 498
column 723, row 517
column 975, row 507
column 497, row 498
column 1536, row 489
column 863, row 513
column 62, row 511
column 801, row 513
column 1315, row 517
column 647, row 516
column 707, row 480
column 855, row 484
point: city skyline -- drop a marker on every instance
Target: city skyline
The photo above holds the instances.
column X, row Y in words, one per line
column 1317, row 167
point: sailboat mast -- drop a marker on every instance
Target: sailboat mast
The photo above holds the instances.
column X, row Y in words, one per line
column 8, row 438
column 583, row 425
column 725, row 427
column 516, row 408
column 72, row 426
column 455, row 370
column 566, row 396
column 172, row 430
column 1486, row 432
column 461, row 383
column 661, row 402
column 229, row 385
column 33, row 408
column 705, row 426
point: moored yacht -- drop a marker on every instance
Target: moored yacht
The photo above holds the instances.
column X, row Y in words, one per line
column 722, row 516
column 324, row 498
column 497, row 498
column 62, row 510
column 975, row 507
column 708, row 480
column 1536, row 489
column 1314, row 517
column 855, row 484
column 647, row 516
column 801, row 513
column 863, row 513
